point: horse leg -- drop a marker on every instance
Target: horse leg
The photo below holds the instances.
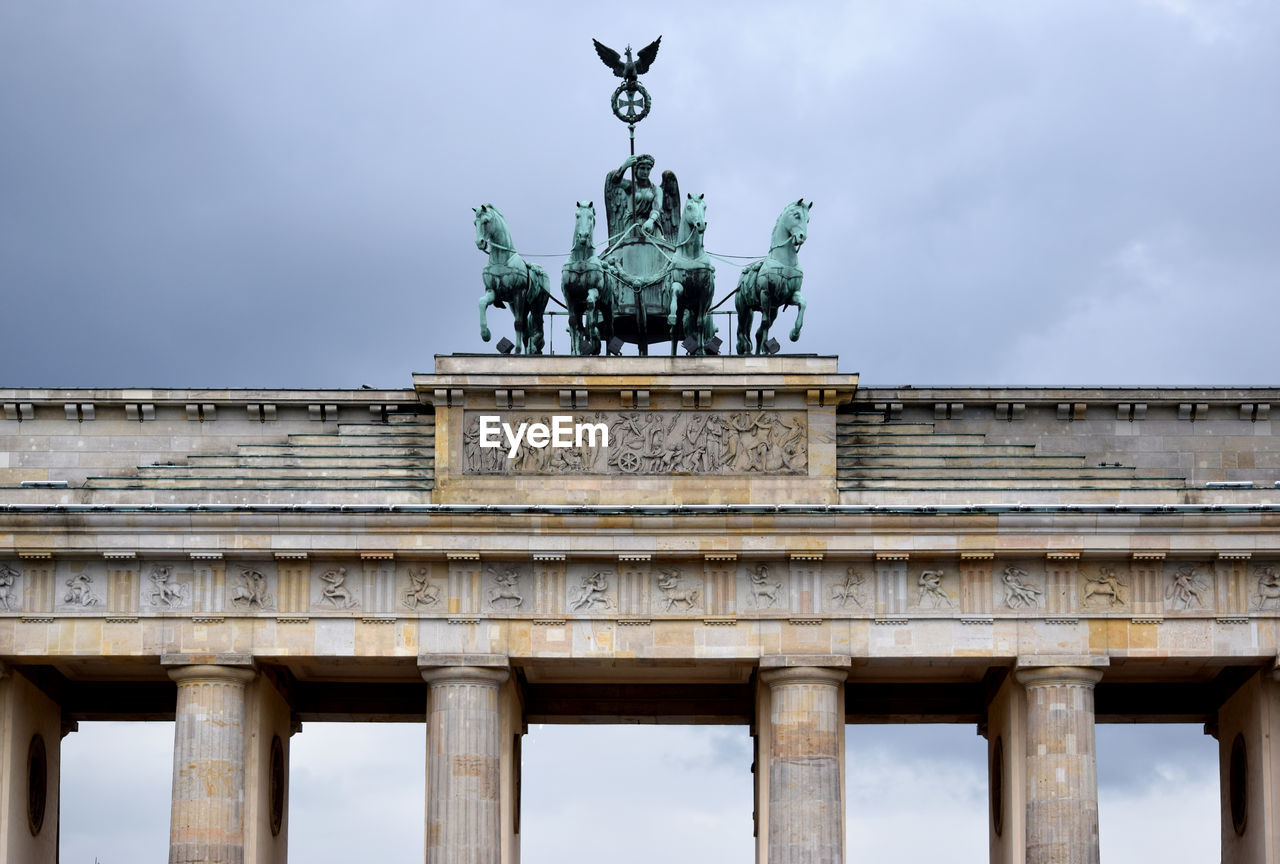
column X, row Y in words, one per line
column 767, row 315
column 485, row 302
column 745, row 317
column 519, row 314
column 593, row 322
column 676, row 290
column 798, row 299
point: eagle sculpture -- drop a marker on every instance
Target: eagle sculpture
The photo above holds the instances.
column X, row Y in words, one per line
column 628, row 69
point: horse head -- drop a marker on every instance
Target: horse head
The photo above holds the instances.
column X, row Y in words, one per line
column 490, row 227
column 792, row 227
column 584, row 225
column 695, row 214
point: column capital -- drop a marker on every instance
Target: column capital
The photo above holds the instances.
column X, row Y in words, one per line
column 211, row 673
column 493, row 668
column 1055, row 676
column 803, row 675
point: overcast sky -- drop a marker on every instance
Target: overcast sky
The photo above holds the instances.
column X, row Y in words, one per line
column 279, row 194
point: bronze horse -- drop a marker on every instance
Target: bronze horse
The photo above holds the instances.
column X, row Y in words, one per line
column 691, row 280
column 586, row 294
column 508, row 278
column 767, row 286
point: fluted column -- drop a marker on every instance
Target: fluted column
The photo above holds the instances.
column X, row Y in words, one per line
column 464, row 779
column 1062, row 766
column 207, row 821
column 805, row 750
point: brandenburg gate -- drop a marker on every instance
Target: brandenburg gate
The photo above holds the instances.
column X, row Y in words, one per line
column 752, row 540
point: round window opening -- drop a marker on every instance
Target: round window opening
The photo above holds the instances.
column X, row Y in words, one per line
column 37, row 784
column 1238, row 781
column 997, row 788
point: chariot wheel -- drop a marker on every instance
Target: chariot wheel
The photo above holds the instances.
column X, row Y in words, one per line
column 628, row 462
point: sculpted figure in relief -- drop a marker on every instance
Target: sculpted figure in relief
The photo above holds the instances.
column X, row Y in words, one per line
column 763, row 588
column 7, row 595
column 1019, row 594
column 1105, row 584
column 163, row 591
column 78, row 591
column 506, row 588
column 251, row 593
column 1268, row 585
column 654, row 442
column 335, row 591
column 593, row 591
column 1187, row 588
column 931, row 594
column 669, row 582
column 850, row 590
column 421, row 591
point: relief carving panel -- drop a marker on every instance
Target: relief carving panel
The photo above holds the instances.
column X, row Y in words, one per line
column 651, row 442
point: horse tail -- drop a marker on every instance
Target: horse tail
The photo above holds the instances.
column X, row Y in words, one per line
column 539, row 288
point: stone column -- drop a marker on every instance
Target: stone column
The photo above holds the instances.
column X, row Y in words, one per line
column 207, row 821
column 1061, row 765
column 803, row 761
column 464, row 763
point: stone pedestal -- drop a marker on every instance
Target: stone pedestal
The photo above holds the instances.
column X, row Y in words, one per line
column 207, row 822
column 800, row 766
column 30, row 746
column 465, row 743
column 1248, row 730
column 1061, row 765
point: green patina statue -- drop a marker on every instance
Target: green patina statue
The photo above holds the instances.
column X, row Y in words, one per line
column 508, row 278
column 654, row 280
column 586, row 296
column 691, row 280
column 767, row 286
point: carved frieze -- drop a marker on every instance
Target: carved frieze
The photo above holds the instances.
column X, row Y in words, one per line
column 1267, row 578
column 422, row 593
column 81, row 586
column 850, row 593
column 1188, row 587
column 249, row 592
column 504, row 592
column 1020, row 588
column 635, row 587
column 763, row 589
column 648, row 442
column 678, row 595
column 1104, row 587
column 10, row 588
column 334, row 587
column 934, row 589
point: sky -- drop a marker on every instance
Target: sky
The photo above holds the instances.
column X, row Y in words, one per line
column 279, row 194
column 248, row 194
